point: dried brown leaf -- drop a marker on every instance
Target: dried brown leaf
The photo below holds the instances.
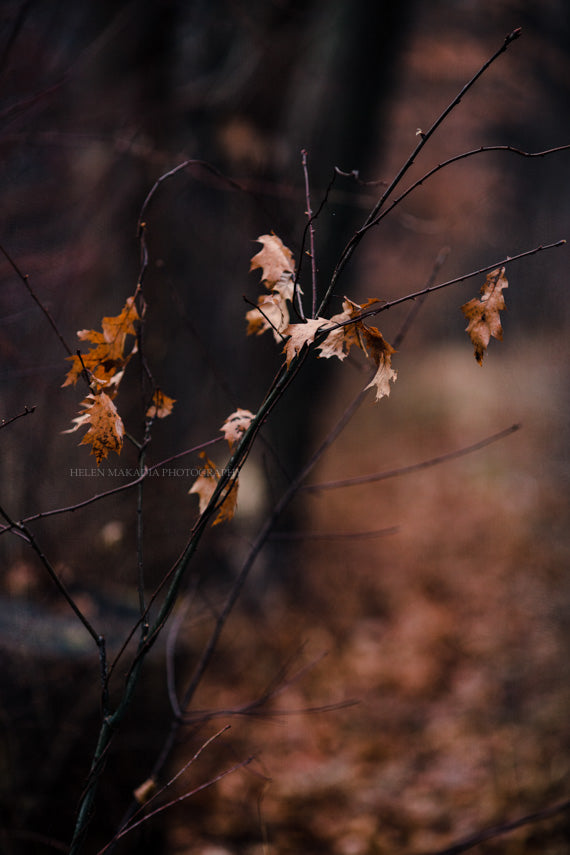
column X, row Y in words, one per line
column 483, row 314
column 301, row 335
column 107, row 357
column 236, row 425
column 380, row 352
column 106, row 429
column 204, row 487
column 161, row 405
column 272, row 314
column 275, row 261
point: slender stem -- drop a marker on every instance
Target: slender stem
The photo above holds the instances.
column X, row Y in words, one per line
column 25, row 279
column 484, row 149
column 431, row 288
column 147, row 471
column 25, row 412
column 414, row 467
column 28, row 536
column 171, row 173
column 349, row 249
column 140, row 557
column 309, row 214
column 424, row 137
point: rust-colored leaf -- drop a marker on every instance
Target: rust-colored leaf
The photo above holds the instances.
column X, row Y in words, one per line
column 160, row 406
column 204, row 487
column 107, row 356
column 483, row 314
column 106, row 429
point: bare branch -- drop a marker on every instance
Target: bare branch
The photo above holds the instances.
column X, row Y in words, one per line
column 25, row 280
column 497, row 830
column 25, row 412
column 311, row 227
column 414, row 467
column 484, row 149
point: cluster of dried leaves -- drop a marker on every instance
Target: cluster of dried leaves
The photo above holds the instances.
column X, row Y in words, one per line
column 103, row 367
column 104, row 364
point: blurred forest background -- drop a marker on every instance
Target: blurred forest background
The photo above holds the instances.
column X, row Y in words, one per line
column 451, row 634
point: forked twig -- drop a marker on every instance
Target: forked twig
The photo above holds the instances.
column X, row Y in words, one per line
column 358, row 235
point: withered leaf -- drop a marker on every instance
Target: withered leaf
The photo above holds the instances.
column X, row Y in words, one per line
column 275, row 261
column 106, row 429
column 204, row 487
column 339, row 341
column 483, row 314
column 380, row 352
column 236, row 425
column 107, row 357
column 272, row 314
column 160, row 406
column 301, row 335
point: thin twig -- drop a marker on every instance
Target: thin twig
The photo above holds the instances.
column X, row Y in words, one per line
column 25, row 280
column 484, row 149
column 25, row 412
column 147, row 471
column 177, row 801
column 415, row 309
column 309, row 214
column 171, row 173
column 498, row 830
column 128, row 826
column 352, row 244
column 388, row 304
column 266, row 317
column 414, row 467
column 27, row 534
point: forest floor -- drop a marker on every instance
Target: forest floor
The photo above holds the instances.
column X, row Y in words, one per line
column 448, row 638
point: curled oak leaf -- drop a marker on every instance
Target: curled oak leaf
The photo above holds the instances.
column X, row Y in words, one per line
column 160, row 406
column 236, row 425
column 107, row 357
column 340, row 340
column 272, row 313
column 301, row 335
column 106, row 428
column 483, row 314
column 380, row 352
column 204, row 487
column 275, row 261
